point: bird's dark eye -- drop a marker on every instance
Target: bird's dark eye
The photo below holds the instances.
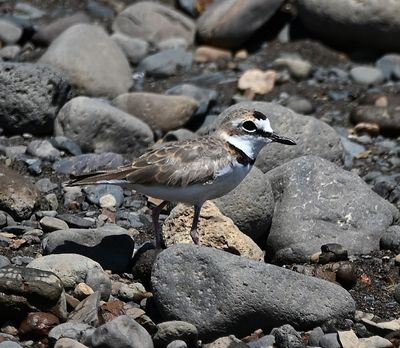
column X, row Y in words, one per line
column 249, row 126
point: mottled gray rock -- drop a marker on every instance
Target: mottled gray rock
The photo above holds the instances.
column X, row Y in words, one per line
column 134, row 48
column 154, row 23
column 157, row 110
column 4, row 261
column 45, row 185
column 25, row 290
column 30, row 97
column 230, row 23
column 111, row 246
column 99, row 127
column 18, row 196
column 76, row 331
column 70, row 268
column 9, row 344
column 376, row 25
column 169, row 331
column 167, row 63
column 252, row 293
column 68, row 343
column 43, row 149
column 313, row 137
column 252, row 216
column 10, row 52
column 390, row 240
column 389, row 64
column 367, row 75
column 122, row 332
column 319, row 203
column 99, row 281
column 10, row 33
column 203, row 96
column 87, row 311
column 48, row 32
column 103, row 69
column 264, row 342
column 330, row 340
column 287, row 337
column 87, row 163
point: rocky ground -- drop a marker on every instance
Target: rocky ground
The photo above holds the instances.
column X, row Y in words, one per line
column 303, row 253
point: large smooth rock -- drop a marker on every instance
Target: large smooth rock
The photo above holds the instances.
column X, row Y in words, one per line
column 250, row 205
column 30, row 97
column 24, row 290
column 154, row 23
column 230, row 23
column 225, row 294
column 215, row 230
column 18, row 196
column 159, row 111
column 312, row 136
column 122, row 332
column 10, row 33
column 111, row 246
column 376, row 25
column 91, row 59
column 99, row 127
column 318, row 203
column 70, row 268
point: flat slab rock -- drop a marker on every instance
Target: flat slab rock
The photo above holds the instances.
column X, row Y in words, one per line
column 317, row 203
column 225, row 294
column 312, row 136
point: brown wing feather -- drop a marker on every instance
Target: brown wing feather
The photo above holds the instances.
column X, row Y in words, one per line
column 181, row 163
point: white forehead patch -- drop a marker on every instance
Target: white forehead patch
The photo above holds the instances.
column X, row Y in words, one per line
column 264, row 125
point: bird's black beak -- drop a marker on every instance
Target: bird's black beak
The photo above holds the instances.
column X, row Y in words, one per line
column 281, row 139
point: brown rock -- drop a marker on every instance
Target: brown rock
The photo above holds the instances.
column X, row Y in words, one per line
column 37, row 325
column 215, row 229
column 111, row 309
column 209, row 54
column 82, row 291
column 256, row 81
column 17, row 195
column 164, row 112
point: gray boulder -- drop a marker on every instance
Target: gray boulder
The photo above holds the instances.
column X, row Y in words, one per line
column 70, row 268
column 30, row 97
column 318, row 203
column 122, row 332
column 230, row 23
column 10, row 33
column 312, row 136
column 250, row 205
column 169, row 331
column 91, row 59
column 376, row 25
column 99, row 127
column 111, row 246
column 77, row 331
column 222, row 294
column 154, row 23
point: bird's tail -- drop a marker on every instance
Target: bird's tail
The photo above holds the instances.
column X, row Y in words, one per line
column 116, row 177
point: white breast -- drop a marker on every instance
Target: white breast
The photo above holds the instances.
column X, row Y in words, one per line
column 226, row 181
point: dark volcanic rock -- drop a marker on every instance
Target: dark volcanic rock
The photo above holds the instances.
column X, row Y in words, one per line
column 318, row 203
column 30, row 97
column 188, row 283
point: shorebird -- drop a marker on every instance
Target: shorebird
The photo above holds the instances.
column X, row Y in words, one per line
column 196, row 170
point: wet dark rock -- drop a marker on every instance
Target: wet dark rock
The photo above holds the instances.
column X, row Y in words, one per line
column 121, row 332
column 87, row 163
column 167, row 63
column 312, row 136
column 175, row 330
column 332, row 205
column 254, row 294
column 390, row 240
column 104, row 127
column 204, row 96
column 18, row 202
column 37, row 325
column 332, row 252
column 77, row 331
column 103, row 69
column 48, row 32
column 66, row 144
column 287, row 337
column 346, row 275
column 110, row 245
column 30, row 97
column 389, row 64
column 75, row 221
column 253, row 217
column 387, row 187
column 230, row 23
column 25, row 290
column 154, row 23
column 142, row 265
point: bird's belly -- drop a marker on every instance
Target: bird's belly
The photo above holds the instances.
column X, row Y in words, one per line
column 197, row 193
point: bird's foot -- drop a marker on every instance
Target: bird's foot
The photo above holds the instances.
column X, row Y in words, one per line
column 195, row 237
